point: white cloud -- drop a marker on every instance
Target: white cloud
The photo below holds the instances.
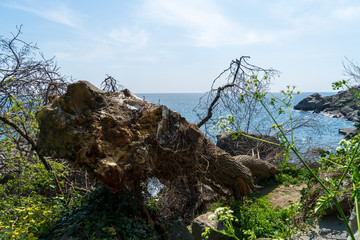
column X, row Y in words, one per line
column 203, row 22
column 58, row 13
column 301, row 17
column 133, row 39
column 350, row 13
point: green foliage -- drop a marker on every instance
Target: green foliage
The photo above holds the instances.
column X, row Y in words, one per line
column 255, row 217
column 103, row 215
column 291, row 175
column 28, row 199
column 28, row 203
column 225, row 215
column 345, row 161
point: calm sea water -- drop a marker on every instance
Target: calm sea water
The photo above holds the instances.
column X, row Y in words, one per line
column 328, row 136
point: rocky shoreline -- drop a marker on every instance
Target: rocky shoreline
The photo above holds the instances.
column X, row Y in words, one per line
column 344, row 104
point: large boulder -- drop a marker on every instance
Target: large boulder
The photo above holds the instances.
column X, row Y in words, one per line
column 311, row 103
column 123, row 140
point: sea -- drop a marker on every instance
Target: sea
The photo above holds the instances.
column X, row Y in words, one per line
column 326, row 136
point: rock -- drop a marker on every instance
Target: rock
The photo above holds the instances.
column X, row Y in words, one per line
column 247, row 146
column 353, row 224
column 344, row 104
column 176, row 229
column 200, row 223
column 123, row 140
column 311, row 103
column 348, row 132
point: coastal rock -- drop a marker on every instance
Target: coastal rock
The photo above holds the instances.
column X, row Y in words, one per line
column 348, row 132
column 123, row 140
column 313, row 102
column 344, row 104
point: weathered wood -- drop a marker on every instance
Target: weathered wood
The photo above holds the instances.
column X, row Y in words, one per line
column 121, row 139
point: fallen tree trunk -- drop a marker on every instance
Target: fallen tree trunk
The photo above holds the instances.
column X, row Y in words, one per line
column 122, row 139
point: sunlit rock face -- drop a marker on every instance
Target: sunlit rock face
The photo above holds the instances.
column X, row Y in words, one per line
column 121, row 138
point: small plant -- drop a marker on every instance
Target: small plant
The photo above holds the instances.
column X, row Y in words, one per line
column 225, row 215
column 253, row 218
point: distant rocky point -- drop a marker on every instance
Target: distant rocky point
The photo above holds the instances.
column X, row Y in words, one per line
column 344, row 104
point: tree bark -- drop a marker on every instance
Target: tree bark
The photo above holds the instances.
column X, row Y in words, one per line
column 120, row 138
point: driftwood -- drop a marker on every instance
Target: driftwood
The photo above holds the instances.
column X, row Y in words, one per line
column 259, row 169
column 123, row 140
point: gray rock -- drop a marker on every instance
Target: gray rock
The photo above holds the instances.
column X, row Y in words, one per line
column 313, row 102
column 176, row 229
column 200, row 223
column 353, row 224
column 344, row 104
column 348, row 132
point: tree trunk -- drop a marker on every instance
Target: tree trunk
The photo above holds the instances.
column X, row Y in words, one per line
column 120, row 138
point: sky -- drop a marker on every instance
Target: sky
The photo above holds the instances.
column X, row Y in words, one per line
column 155, row 46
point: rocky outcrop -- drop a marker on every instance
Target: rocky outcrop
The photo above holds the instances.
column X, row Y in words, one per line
column 314, row 102
column 348, row 132
column 341, row 105
column 123, row 140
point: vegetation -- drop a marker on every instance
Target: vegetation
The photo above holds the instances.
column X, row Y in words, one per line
column 344, row 162
column 43, row 198
column 255, row 217
column 103, row 215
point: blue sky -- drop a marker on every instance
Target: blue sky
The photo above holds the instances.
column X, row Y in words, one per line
column 182, row 45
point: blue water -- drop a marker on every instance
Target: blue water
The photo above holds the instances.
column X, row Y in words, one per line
column 326, row 136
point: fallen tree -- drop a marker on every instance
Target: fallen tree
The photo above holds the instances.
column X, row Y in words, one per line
column 123, row 140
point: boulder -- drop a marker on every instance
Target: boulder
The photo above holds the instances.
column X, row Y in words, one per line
column 311, row 103
column 200, row 223
column 176, row 229
column 348, row 132
column 123, row 140
column 353, row 224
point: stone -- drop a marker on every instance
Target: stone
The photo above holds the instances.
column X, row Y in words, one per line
column 353, row 224
column 176, row 229
column 348, row 132
column 311, row 103
column 200, row 223
column 344, row 104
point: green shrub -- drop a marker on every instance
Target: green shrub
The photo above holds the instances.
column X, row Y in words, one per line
column 103, row 215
